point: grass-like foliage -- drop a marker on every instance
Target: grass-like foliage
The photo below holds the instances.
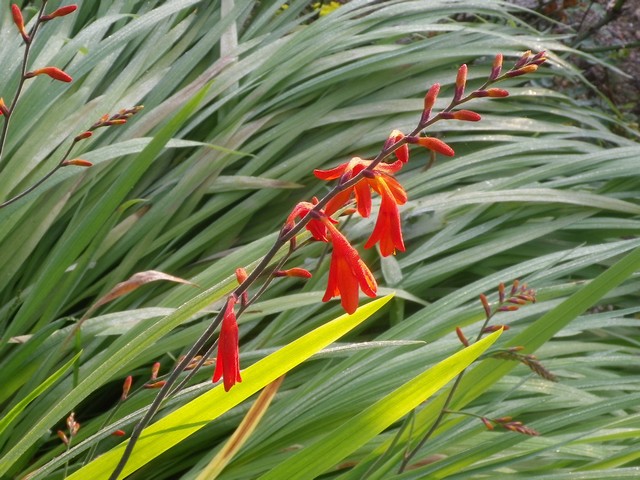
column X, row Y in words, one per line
column 118, row 248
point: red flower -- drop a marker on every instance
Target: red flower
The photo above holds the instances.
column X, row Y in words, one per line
column 228, row 361
column 401, row 153
column 347, row 272
column 387, row 230
column 362, row 189
column 315, row 226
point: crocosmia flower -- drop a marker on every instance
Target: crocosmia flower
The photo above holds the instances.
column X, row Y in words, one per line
column 228, row 359
column 315, row 226
column 387, row 230
column 348, row 274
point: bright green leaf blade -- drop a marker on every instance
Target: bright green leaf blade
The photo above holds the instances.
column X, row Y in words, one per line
column 177, row 426
column 336, row 445
column 16, row 410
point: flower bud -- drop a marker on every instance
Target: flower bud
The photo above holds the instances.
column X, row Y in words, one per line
column 77, row 162
column 3, row 108
column 293, row 272
column 158, row 384
column 485, row 305
column 52, row 72
column 434, row 144
column 522, row 71
column 82, row 136
column 496, row 68
column 126, row 386
column 429, row 101
column 60, row 12
column 467, row 115
column 154, row 370
column 19, row 21
column 462, row 337
column 461, row 81
column 118, row 433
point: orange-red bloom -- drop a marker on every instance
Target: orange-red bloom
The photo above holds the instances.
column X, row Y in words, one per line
column 315, row 226
column 228, row 359
column 387, row 230
column 347, row 272
column 401, row 153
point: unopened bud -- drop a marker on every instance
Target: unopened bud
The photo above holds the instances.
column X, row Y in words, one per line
column 496, row 68
column 82, row 136
column 63, row 437
column 158, row 384
column 118, row 433
column 293, row 272
column 522, row 71
column 495, row 328
column 523, row 59
column 77, row 162
column 3, row 108
column 154, row 370
column 467, row 115
column 52, row 72
column 485, row 305
column 19, row 21
column 60, row 12
column 461, row 81
column 430, row 100
column 126, row 386
column 462, row 337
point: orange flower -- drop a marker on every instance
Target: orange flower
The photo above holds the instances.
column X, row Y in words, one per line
column 228, row 361
column 347, row 272
column 362, row 189
column 387, row 230
column 401, row 153
column 315, row 226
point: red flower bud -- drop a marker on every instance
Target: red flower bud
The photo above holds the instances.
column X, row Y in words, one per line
column 63, row 437
column 522, row 71
column 82, row 136
column 159, row 384
column 126, row 386
column 461, row 337
column 154, row 370
column 461, row 81
column 3, row 108
column 19, row 21
column 497, row 92
column 467, row 115
column 496, row 68
column 293, row 272
column 77, row 162
column 495, row 328
column 523, row 59
column 118, row 433
column 434, row 144
column 52, row 72
column 485, row 305
column 60, row 12
column 429, row 101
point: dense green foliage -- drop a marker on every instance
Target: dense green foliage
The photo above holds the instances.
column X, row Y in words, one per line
column 197, row 184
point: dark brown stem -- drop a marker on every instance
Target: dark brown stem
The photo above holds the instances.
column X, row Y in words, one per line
column 23, row 71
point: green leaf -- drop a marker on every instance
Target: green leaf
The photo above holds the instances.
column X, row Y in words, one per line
column 190, row 418
column 337, row 444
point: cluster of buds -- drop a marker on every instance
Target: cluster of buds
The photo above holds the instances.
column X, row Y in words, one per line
column 509, row 424
column 357, row 179
column 72, row 428
column 18, row 20
column 518, row 296
column 529, row 359
column 195, row 361
column 106, row 120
